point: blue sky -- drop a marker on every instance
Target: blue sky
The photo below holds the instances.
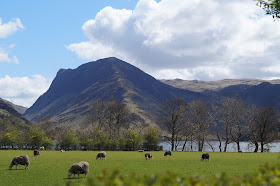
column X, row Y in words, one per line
column 191, row 39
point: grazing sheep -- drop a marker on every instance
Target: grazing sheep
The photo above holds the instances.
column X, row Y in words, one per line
column 167, row 153
column 101, row 155
column 42, row 148
column 62, row 150
column 36, row 152
column 205, row 157
column 148, row 156
column 20, row 160
column 78, row 168
column 140, row 150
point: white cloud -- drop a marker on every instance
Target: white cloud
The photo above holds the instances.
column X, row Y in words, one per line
column 4, row 57
column 23, row 90
column 197, row 39
column 7, row 29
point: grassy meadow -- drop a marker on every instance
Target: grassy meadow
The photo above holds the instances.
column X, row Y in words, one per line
column 51, row 167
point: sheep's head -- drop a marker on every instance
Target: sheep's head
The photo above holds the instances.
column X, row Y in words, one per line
column 11, row 165
column 69, row 174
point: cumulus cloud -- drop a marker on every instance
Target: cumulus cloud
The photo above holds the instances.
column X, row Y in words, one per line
column 197, row 39
column 7, row 29
column 4, row 57
column 23, row 90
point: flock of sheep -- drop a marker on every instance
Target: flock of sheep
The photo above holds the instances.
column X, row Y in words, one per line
column 83, row 166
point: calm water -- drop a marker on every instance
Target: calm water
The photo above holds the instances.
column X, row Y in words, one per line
column 245, row 146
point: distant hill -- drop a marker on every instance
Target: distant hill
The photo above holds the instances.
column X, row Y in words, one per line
column 10, row 117
column 18, row 108
column 200, row 86
column 73, row 90
column 263, row 94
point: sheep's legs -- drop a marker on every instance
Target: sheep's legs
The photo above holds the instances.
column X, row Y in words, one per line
column 16, row 166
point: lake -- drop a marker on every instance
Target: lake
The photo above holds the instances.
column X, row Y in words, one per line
column 232, row 147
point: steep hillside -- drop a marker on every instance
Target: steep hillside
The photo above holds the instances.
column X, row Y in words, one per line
column 10, row 117
column 72, row 91
column 263, row 94
column 18, row 108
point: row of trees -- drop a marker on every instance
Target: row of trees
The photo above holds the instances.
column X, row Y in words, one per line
column 227, row 120
column 67, row 139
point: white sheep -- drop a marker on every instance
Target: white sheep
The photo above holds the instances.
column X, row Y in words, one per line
column 20, row 160
column 78, row 168
column 42, row 148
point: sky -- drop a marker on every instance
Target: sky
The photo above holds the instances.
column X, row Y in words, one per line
column 168, row 39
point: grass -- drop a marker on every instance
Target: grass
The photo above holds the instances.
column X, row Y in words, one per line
column 51, row 167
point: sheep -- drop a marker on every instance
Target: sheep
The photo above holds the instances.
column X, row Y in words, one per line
column 20, row 160
column 167, row 153
column 140, row 150
column 78, row 168
column 36, row 152
column 62, row 150
column 148, row 156
column 205, row 157
column 42, row 148
column 101, row 155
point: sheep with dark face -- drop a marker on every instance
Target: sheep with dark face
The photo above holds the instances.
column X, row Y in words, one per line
column 36, row 152
column 148, row 156
column 101, row 155
column 78, row 168
column 20, row 160
column 205, row 157
column 167, row 153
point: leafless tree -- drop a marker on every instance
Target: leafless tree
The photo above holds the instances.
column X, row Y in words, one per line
column 266, row 125
column 232, row 110
column 250, row 118
column 214, row 114
column 199, row 119
column 96, row 114
column 172, row 118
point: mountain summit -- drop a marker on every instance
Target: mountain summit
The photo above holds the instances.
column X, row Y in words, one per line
column 73, row 90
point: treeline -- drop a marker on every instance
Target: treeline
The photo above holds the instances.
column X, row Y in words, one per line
column 113, row 126
column 110, row 128
column 228, row 120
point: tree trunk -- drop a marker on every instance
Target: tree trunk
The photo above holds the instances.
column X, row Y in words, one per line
column 256, row 146
column 238, row 146
column 226, row 143
column 262, row 146
column 184, row 144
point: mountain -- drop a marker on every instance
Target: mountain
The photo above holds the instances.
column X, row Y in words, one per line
column 73, row 90
column 200, row 86
column 10, row 117
column 18, row 108
column 263, row 94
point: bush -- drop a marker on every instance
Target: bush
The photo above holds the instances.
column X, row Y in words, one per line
column 266, row 175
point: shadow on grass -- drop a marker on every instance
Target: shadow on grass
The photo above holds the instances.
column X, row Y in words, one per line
column 16, row 169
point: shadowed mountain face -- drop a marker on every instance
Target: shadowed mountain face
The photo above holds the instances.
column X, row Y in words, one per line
column 72, row 91
column 18, row 108
column 263, row 94
column 10, row 117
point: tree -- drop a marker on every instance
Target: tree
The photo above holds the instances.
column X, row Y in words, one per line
column 250, row 117
column 271, row 7
column 266, row 125
column 36, row 137
column 151, row 139
column 199, row 118
column 132, row 140
column 173, row 119
column 232, row 110
column 101, row 140
column 214, row 113
column 67, row 139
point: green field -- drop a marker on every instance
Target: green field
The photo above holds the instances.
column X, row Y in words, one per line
column 51, row 167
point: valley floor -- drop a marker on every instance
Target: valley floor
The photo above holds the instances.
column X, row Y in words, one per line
column 50, row 168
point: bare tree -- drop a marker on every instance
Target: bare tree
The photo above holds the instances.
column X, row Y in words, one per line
column 199, row 118
column 214, row 114
column 232, row 120
column 266, row 125
column 250, row 117
column 96, row 113
column 173, row 119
